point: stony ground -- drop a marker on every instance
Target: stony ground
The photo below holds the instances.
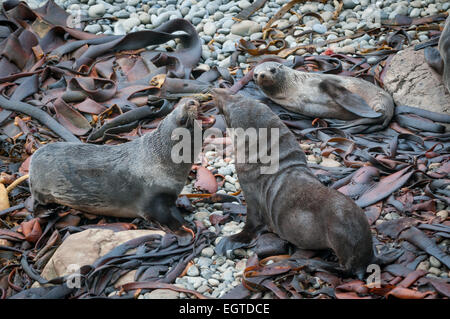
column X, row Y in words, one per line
column 214, row 275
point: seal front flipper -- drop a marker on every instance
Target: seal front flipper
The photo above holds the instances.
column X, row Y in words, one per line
column 434, row 59
column 349, row 101
column 239, row 240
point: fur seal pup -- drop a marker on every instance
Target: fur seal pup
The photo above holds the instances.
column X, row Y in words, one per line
column 324, row 95
column 134, row 179
column 292, row 202
column 439, row 59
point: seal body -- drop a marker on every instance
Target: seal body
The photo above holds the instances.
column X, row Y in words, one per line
column 444, row 50
column 292, row 202
column 324, row 95
column 134, row 179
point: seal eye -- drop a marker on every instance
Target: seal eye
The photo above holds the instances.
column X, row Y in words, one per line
column 273, row 70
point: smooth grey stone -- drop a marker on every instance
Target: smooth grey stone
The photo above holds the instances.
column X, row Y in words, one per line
column 319, row 28
column 96, row 11
column 93, row 28
column 350, row 4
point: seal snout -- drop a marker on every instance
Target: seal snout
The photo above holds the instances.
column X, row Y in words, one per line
column 264, row 75
column 188, row 112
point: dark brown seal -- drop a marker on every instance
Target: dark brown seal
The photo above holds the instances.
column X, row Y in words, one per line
column 439, row 59
column 134, row 179
column 292, row 202
column 324, row 95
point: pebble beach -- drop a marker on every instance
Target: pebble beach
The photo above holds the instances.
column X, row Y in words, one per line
column 210, row 274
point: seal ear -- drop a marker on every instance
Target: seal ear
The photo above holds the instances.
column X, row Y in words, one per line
column 434, row 59
column 348, row 100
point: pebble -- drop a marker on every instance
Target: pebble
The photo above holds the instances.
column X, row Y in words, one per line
column 204, row 262
column 162, row 294
column 207, row 252
column 434, row 262
column 213, row 282
column 193, row 271
column 319, row 28
column 144, row 18
column 97, row 10
column 228, row 46
column 443, row 214
column 244, row 4
column 434, row 271
column 424, row 265
column 328, row 162
column 130, row 23
column 209, row 28
column 245, row 28
column 350, row 4
column 93, row 28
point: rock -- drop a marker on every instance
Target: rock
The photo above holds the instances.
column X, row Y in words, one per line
column 229, row 46
column 85, row 247
column 130, row 23
column 415, row 13
column 201, row 214
column 424, row 265
column 209, row 28
column 411, row 81
column 245, row 28
column 162, row 294
column 93, row 28
column 443, row 214
column 326, row 15
column 434, row 271
column 193, row 271
column 244, row 4
column 207, row 252
column 319, row 28
column 144, row 18
column 350, row 4
column 228, row 275
column 97, row 10
column 434, row 262
column 213, row 282
column 204, row 262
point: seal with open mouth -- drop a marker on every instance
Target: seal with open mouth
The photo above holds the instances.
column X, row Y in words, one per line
column 325, row 95
column 133, row 179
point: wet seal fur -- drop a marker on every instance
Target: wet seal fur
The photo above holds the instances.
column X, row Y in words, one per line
column 325, row 95
column 439, row 60
column 134, row 179
column 293, row 203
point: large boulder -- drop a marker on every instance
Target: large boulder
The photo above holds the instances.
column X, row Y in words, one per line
column 411, row 81
column 85, row 247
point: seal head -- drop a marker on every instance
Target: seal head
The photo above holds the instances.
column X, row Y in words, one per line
column 271, row 78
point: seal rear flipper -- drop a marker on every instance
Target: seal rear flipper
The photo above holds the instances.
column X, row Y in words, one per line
column 434, row 59
column 348, row 100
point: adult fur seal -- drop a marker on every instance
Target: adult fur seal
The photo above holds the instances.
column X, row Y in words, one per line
column 134, row 179
column 440, row 59
column 325, row 95
column 292, row 202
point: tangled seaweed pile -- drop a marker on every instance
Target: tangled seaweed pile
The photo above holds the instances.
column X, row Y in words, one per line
column 60, row 83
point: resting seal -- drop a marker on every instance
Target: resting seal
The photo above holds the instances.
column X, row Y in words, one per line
column 134, row 179
column 440, row 59
column 292, row 202
column 324, row 95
